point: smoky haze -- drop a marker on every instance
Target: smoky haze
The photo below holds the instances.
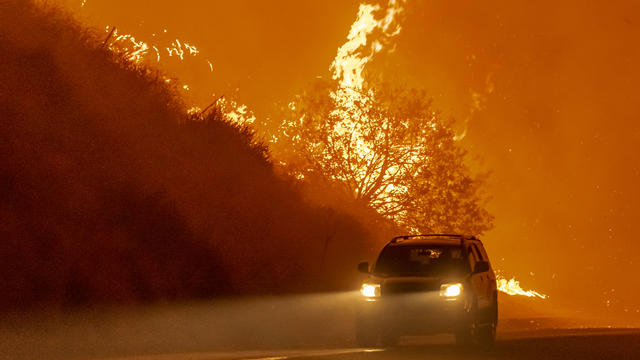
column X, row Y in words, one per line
column 261, row 52
column 559, row 132
column 548, row 90
column 111, row 193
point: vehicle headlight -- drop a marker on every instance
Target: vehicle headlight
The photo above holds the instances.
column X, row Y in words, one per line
column 451, row 290
column 370, row 290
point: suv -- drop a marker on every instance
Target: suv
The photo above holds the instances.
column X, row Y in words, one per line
column 427, row 284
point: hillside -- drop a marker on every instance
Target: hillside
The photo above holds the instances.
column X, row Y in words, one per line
column 110, row 193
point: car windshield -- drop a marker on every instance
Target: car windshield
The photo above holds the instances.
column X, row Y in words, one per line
column 424, row 260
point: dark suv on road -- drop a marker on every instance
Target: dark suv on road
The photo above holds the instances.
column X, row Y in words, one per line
column 427, row 284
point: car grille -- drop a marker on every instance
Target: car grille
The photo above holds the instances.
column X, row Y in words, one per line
column 408, row 287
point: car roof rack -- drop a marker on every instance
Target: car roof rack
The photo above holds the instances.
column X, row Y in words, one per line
column 401, row 238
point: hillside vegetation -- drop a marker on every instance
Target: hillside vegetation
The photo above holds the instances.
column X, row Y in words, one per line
column 110, row 193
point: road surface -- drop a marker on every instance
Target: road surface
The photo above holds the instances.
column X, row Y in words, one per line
column 583, row 344
column 314, row 326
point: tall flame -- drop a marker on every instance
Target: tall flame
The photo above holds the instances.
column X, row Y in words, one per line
column 353, row 55
column 370, row 34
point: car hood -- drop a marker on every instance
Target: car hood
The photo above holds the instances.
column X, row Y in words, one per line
column 410, row 284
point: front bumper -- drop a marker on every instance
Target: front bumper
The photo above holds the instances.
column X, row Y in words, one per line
column 414, row 314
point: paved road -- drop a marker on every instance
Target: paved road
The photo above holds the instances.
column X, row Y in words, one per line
column 585, row 344
column 312, row 326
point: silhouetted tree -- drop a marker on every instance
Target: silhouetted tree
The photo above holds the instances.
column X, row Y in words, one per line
column 386, row 147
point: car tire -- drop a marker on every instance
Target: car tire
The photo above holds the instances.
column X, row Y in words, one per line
column 487, row 333
column 467, row 334
column 487, row 336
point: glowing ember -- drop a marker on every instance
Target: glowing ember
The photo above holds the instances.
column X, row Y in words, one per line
column 137, row 51
column 178, row 48
column 236, row 112
column 140, row 52
column 194, row 110
column 512, row 287
column 233, row 111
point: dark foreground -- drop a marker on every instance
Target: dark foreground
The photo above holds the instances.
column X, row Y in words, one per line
column 314, row 326
column 583, row 344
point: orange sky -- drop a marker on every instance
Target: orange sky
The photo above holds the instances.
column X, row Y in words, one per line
column 559, row 130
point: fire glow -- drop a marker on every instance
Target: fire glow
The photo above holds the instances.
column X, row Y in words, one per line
column 353, row 101
column 348, row 69
column 370, row 34
column 138, row 51
column 512, row 287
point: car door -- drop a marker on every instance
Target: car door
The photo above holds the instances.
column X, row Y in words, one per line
column 475, row 281
column 485, row 290
column 491, row 276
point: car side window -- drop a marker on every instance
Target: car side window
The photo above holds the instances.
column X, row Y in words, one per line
column 483, row 252
column 479, row 253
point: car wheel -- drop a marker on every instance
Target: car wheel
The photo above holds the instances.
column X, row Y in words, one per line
column 366, row 334
column 467, row 334
column 487, row 333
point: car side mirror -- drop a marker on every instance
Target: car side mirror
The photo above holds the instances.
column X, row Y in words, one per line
column 481, row 266
column 363, row 267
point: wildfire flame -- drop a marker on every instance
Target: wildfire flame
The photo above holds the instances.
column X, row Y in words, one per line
column 237, row 112
column 351, row 100
column 138, row 51
column 512, row 287
column 372, row 32
column 354, row 55
column 373, row 29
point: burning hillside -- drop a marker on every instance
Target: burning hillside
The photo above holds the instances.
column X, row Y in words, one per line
column 114, row 191
column 111, row 192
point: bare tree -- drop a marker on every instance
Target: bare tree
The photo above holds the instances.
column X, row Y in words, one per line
column 386, row 147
